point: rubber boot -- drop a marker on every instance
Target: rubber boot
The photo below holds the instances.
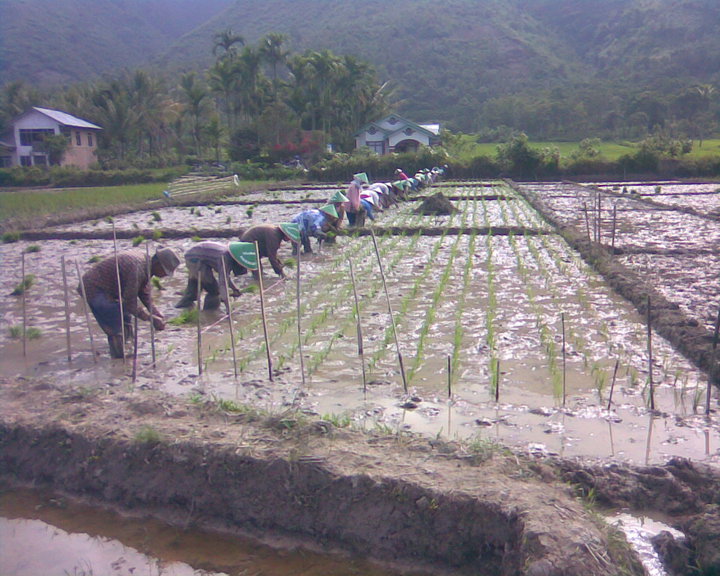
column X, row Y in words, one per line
column 190, row 294
column 212, row 302
column 117, row 349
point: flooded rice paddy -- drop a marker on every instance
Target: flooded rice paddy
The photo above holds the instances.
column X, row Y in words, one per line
column 503, row 338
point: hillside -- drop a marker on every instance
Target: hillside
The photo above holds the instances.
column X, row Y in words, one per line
column 443, row 59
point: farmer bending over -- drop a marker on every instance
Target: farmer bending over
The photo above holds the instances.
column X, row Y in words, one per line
column 204, row 260
column 101, row 290
column 315, row 223
column 269, row 237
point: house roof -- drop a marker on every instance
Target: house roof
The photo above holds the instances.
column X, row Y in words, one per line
column 429, row 128
column 66, row 119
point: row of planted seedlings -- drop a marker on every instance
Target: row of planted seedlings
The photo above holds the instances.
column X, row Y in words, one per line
column 608, row 345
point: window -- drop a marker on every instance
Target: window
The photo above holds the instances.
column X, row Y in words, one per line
column 29, row 136
column 78, row 140
column 5, row 161
column 377, row 147
column 90, row 139
column 25, row 161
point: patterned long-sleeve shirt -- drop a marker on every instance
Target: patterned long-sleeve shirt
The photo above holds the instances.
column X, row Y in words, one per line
column 268, row 237
column 211, row 254
column 134, row 281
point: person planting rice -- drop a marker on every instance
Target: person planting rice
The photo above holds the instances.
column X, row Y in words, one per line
column 203, row 260
column 315, row 223
column 353, row 207
column 125, row 276
column 338, row 200
column 269, row 237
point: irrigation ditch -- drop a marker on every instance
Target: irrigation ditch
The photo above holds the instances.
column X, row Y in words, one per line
column 487, row 462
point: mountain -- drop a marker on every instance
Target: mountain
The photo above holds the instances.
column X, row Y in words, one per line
column 46, row 42
column 443, row 58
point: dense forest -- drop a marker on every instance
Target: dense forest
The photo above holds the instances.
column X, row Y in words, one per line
column 553, row 69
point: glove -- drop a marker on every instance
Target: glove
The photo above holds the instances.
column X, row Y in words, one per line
column 158, row 323
column 235, row 293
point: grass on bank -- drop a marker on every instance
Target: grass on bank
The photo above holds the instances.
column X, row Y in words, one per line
column 25, row 208
column 610, row 151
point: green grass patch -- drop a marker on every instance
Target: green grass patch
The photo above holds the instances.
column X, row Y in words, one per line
column 31, row 205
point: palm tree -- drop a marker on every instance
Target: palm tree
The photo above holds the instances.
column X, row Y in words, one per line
column 194, row 93
column 225, row 41
column 272, row 51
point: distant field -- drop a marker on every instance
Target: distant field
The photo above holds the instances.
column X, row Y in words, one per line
column 610, row 150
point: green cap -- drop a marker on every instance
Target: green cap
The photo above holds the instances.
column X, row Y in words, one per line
column 291, row 230
column 329, row 209
column 362, row 176
column 338, row 197
column 244, row 254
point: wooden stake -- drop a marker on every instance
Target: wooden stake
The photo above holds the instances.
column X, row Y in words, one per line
column 712, row 362
column 392, row 318
column 152, row 325
column 497, row 379
column 562, row 316
column 23, row 285
column 650, row 357
column 587, row 221
column 85, row 310
column 135, row 347
column 449, row 373
column 599, row 218
column 299, row 329
column 119, row 287
column 361, row 351
column 67, row 308
column 614, row 227
column 262, row 311
column 612, row 384
column 229, row 316
column 199, row 327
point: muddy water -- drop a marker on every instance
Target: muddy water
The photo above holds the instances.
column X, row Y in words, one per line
column 471, row 302
column 51, row 536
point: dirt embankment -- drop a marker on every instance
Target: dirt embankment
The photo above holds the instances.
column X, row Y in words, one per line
column 424, row 504
column 683, row 332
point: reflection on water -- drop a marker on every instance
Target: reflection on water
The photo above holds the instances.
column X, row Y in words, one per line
column 639, row 531
column 53, row 536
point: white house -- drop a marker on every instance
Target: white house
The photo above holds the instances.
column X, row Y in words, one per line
column 22, row 146
column 396, row 134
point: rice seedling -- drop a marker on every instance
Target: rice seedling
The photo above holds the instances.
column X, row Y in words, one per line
column 138, row 240
column 189, row 316
column 33, row 248
column 157, row 234
column 148, row 435
column 33, row 333
column 23, row 286
column 156, row 216
column 10, row 237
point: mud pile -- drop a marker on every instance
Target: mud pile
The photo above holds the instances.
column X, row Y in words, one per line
column 436, row 205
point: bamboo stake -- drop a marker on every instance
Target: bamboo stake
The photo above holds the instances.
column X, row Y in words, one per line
column 497, row 379
column 587, row 221
column 392, row 318
column 85, row 311
column 299, row 329
column 262, row 311
column 614, row 227
column 23, row 285
column 564, row 358
column 612, row 384
column 229, row 316
column 152, row 325
column 67, row 307
column 119, row 286
column 199, row 327
column 135, row 347
column 449, row 373
column 361, row 351
column 712, row 362
column 650, row 357
column 599, row 218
